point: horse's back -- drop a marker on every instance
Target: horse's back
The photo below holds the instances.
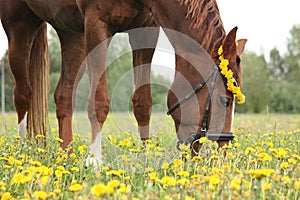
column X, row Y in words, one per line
column 62, row 14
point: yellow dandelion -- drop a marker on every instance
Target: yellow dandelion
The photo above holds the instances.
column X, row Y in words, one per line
column 58, row 173
column 58, row 160
column 135, row 150
column 41, row 150
column 72, row 155
column 11, row 160
column 247, row 183
column 105, row 168
column 281, row 153
column 168, row 181
column 44, row 180
column 165, row 166
column 183, row 173
column 202, row 140
column 267, row 186
column 183, row 181
column 177, row 162
column 123, row 189
column 2, row 186
column 36, row 163
column 17, row 178
column 153, row 176
column 286, row 179
column 196, row 176
column 6, row 196
column 292, row 161
column 284, row 165
column 258, row 173
column 124, row 142
column 214, row 180
column 18, row 162
column 112, row 139
column 115, row 173
column 214, row 157
column 82, row 149
column 61, row 168
column 113, row 184
column 235, row 184
column 75, row 187
column 38, row 136
column 149, row 169
column 98, row 189
column 6, row 166
column 59, row 139
column 75, row 169
column 297, row 185
column 40, row 195
column 51, row 194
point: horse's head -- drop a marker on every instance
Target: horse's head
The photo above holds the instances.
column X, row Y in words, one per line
column 207, row 95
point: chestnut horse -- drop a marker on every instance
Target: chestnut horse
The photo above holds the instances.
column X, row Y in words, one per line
column 210, row 111
column 25, row 25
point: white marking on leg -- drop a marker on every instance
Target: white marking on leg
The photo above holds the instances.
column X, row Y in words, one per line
column 22, row 127
column 96, row 153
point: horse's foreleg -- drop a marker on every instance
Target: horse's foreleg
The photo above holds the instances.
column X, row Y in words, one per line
column 143, row 45
column 73, row 53
column 97, row 34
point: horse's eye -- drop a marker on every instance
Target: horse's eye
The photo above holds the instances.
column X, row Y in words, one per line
column 238, row 60
column 224, row 101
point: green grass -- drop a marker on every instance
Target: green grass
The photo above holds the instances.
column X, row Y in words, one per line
column 263, row 162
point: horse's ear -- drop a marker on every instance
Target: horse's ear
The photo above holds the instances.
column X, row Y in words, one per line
column 229, row 44
column 241, row 46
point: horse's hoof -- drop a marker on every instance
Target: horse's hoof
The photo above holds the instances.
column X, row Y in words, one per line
column 95, row 162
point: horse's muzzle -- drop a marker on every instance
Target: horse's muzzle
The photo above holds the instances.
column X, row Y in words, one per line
column 218, row 137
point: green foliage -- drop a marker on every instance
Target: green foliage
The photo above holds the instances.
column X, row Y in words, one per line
column 273, row 86
column 255, row 83
column 54, row 51
column 9, row 84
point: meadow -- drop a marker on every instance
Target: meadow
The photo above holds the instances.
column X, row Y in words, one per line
column 263, row 162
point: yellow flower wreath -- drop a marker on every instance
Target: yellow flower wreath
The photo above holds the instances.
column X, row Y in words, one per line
column 228, row 74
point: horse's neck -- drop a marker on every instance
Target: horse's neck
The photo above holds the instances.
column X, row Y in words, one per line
column 177, row 15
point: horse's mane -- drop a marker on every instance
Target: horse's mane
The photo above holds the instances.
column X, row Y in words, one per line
column 205, row 15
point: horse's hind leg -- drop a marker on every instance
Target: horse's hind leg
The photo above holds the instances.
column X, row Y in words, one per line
column 73, row 54
column 21, row 32
column 143, row 43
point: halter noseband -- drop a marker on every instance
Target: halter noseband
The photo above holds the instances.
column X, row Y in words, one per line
column 222, row 136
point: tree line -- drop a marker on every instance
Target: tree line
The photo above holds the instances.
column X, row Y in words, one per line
column 270, row 85
column 273, row 85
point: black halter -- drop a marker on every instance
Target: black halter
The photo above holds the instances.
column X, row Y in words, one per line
column 222, row 136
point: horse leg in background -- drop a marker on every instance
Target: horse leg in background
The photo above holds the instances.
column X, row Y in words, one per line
column 142, row 56
column 96, row 37
column 73, row 54
column 20, row 46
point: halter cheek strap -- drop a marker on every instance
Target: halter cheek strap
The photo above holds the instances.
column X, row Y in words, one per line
column 195, row 91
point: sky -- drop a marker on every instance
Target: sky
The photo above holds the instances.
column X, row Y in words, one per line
column 265, row 23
